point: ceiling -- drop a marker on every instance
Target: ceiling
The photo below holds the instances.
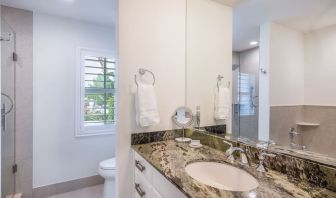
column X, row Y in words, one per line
column 96, row 11
column 302, row 15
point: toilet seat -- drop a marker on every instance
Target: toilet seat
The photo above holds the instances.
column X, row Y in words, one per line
column 108, row 164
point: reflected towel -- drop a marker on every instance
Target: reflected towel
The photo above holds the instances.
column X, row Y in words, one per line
column 222, row 103
column 146, row 106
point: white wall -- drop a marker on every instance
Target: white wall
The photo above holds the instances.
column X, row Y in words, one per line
column 302, row 66
column 58, row 155
column 286, row 64
column 320, row 67
column 264, row 82
column 209, row 54
column 151, row 34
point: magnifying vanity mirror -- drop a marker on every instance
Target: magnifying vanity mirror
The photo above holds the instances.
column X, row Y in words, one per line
column 183, row 117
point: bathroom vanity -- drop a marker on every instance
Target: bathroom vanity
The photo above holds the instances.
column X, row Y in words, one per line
column 160, row 171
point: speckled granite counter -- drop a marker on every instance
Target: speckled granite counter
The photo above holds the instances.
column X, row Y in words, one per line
column 170, row 159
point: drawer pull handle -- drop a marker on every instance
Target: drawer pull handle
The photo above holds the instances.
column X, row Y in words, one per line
column 139, row 166
column 139, row 190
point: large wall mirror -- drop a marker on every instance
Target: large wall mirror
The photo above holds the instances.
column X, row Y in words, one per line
column 279, row 70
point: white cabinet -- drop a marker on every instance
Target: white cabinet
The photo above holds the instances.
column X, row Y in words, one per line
column 149, row 183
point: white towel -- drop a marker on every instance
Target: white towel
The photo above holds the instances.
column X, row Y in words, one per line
column 146, row 107
column 222, row 103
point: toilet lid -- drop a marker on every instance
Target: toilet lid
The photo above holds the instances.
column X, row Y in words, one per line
column 108, row 164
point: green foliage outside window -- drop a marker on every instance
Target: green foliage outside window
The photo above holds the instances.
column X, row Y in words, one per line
column 100, row 112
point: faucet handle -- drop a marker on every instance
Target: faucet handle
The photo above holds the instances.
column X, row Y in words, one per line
column 261, row 157
column 244, row 160
column 229, row 150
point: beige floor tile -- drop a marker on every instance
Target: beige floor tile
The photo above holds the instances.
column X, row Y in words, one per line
column 89, row 192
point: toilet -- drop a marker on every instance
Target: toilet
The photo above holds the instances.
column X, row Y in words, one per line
column 107, row 169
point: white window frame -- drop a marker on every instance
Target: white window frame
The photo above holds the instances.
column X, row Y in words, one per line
column 82, row 130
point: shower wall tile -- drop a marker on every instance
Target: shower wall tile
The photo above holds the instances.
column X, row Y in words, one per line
column 281, row 119
column 22, row 23
column 318, row 139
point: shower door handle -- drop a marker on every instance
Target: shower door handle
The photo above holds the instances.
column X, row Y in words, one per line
column 3, row 117
column 4, row 112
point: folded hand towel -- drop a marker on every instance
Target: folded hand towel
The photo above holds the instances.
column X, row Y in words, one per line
column 222, row 103
column 146, row 107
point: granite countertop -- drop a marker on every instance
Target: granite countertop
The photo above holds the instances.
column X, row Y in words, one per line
column 303, row 154
column 170, row 159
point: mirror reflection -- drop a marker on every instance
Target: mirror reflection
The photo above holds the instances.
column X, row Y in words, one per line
column 280, row 74
column 183, row 117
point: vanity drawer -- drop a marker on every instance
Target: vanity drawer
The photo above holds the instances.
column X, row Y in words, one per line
column 142, row 167
column 142, row 188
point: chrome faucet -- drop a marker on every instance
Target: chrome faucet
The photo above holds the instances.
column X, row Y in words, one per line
column 229, row 153
column 261, row 157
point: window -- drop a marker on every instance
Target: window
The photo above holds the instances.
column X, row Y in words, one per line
column 96, row 93
column 246, row 94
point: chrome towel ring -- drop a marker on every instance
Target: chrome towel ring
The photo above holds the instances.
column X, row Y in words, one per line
column 143, row 72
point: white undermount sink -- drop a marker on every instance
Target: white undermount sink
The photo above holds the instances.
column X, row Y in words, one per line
column 222, row 176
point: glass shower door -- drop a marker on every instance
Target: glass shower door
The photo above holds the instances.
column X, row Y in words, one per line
column 245, row 94
column 7, row 110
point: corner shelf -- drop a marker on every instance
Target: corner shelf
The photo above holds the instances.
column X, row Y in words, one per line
column 307, row 124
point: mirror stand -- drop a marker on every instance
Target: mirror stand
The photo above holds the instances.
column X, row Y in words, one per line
column 183, row 138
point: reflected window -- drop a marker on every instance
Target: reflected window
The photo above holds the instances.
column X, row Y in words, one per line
column 246, row 94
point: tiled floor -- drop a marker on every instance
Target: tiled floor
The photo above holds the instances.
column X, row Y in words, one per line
column 89, row 192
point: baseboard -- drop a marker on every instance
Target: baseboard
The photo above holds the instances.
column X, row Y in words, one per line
column 54, row 189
